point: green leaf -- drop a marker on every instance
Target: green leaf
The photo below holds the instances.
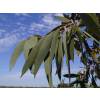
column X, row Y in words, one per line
column 18, row 50
column 65, row 47
column 48, row 70
column 29, row 44
column 78, row 46
column 72, row 49
column 63, row 19
column 56, row 34
column 66, row 16
column 53, row 45
column 79, row 34
column 59, row 58
column 31, row 58
column 49, row 42
column 84, row 59
column 44, row 49
column 92, row 23
column 92, row 37
column 57, row 45
column 66, row 53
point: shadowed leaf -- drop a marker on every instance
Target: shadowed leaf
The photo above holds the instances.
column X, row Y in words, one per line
column 72, row 49
column 92, row 23
column 59, row 58
column 48, row 70
column 71, row 75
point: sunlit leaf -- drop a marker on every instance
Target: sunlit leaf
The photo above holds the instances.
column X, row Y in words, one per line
column 18, row 50
column 65, row 47
column 66, row 53
column 31, row 58
column 56, row 34
column 30, row 43
column 48, row 70
column 92, row 37
column 48, row 62
column 44, row 49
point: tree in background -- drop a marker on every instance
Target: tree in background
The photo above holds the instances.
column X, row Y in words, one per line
column 70, row 37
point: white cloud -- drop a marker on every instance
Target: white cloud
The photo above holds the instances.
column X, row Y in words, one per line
column 58, row 14
column 7, row 42
column 46, row 23
column 48, row 19
column 23, row 14
column 36, row 26
column 2, row 30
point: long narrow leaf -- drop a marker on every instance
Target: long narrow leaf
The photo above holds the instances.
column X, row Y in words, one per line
column 59, row 59
column 44, row 49
column 92, row 23
column 31, row 58
column 18, row 50
column 48, row 70
column 72, row 49
column 30, row 43
column 92, row 37
column 66, row 53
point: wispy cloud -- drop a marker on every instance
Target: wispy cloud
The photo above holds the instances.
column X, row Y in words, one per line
column 58, row 14
column 22, row 14
column 36, row 26
column 49, row 19
column 2, row 31
column 7, row 42
column 46, row 23
column 17, row 30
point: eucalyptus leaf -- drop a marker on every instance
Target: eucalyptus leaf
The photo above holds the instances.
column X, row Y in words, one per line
column 66, row 53
column 98, row 42
column 72, row 49
column 48, row 70
column 17, row 52
column 32, row 56
column 65, row 47
column 59, row 59
column 44, row 49
column 48, row 62
column 92, row 23
column 30, row 43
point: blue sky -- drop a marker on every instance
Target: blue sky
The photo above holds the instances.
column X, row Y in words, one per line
column 14, row 28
